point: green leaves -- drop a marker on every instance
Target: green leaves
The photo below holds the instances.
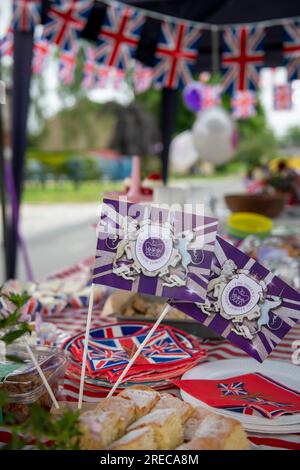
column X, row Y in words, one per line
column 15, row 334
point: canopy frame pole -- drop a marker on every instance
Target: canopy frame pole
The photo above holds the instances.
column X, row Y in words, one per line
column 23, row 50
column 169, row 104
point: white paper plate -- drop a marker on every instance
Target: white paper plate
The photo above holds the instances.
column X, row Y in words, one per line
column 283, row 372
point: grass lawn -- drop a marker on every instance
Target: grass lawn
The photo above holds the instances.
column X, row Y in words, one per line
column 89, row 191
column 92, row 191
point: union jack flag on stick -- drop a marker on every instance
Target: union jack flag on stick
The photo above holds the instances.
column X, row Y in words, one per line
column 119, row 36
column 282, row 96
column 26, row 14
column 67, row 65
column 65, row 21
column 40, row 54
column 242, row 58
column 176, row 55
column 89, row 68
column 291, row 49
column 243, row 103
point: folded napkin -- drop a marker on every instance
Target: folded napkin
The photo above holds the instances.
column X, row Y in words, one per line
column 251, row 394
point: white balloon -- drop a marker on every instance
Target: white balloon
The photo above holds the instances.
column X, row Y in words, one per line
column 183, row 154
column 213, row 135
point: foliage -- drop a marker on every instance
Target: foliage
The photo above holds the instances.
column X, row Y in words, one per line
column 292, row 137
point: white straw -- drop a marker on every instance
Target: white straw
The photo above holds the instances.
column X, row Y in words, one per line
column 137, row 353
column 86, row 342
column 35, row 362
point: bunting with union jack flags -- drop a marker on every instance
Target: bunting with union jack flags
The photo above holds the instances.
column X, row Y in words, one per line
column 7, row 43
column 242, row 58
column 119, row 36
column 40, row 54
column 26, row 14
column 176, row 54
column 291, row 49
column 282, row 97
column 65, row 21
column 67, row 65
column 243, row 104
column 89, row 68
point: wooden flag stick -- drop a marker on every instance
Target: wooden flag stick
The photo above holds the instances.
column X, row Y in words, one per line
column 86, row 343
column 41, row 373
column 139, row 350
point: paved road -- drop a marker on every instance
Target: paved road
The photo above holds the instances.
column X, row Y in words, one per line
column 60, row 235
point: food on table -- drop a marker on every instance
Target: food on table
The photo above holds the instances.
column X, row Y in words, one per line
column 207, row 430
column 142, row 306
column 98, row 429
column 166, row 425
column 22, row 382
column 139, row 439
column 125, row 410
column 141, row 419
column 168, row 401
column 143, row 397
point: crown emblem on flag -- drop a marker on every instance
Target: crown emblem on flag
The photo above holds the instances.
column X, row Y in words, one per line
column 154, row 248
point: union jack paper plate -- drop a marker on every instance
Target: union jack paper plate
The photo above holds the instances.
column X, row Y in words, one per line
column 168, row 354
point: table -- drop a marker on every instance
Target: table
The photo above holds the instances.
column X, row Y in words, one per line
column 74, row 321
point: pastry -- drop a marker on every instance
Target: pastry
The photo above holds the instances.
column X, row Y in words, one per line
column 123, row 408
column 143, row 397
column 166, row 425
column 98, row 429
column 212, row 431
column 139, row 439
column 167, row 400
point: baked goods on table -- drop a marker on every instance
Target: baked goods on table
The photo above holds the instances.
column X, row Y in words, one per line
column 140, row 418
column 143, row 306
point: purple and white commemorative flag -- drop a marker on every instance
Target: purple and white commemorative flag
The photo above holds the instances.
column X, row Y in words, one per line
column 246, row 303
column 154, row 250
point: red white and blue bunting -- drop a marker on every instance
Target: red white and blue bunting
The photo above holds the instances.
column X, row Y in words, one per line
column 176, row 52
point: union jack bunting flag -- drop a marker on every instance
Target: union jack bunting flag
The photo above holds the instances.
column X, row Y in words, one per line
column 291, row 49
column 235, row 388
column 65, row 21
column 211, row 96
column 176, row 55
column 119, row 36
column 142, row 77
column 40, row 54
column 66, row 66
column 7, row 43
column 243, row 104
column 282, row 97
column 26, row 14
column 242, row 58
column 89, row 68
column 104, row 76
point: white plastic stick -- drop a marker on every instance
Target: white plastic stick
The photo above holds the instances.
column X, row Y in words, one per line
column 138, row 351
column 86, row 343
column 46, row 383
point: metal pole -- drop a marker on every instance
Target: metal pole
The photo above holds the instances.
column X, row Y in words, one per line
column 23, row 48
column 169, row 102
column 3, row 193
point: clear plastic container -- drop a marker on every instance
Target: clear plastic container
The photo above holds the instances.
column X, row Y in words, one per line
column 23, row 384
